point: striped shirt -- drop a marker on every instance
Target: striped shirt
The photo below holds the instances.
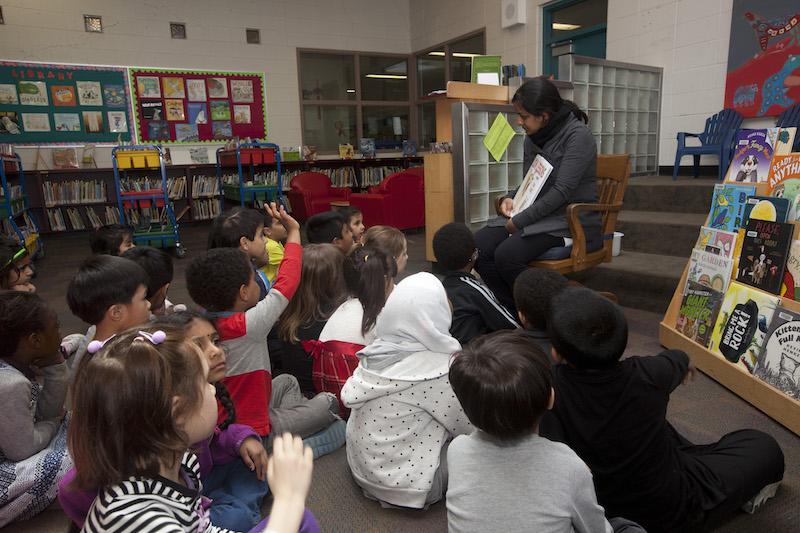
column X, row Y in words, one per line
column 153, row 505
column 476, row 310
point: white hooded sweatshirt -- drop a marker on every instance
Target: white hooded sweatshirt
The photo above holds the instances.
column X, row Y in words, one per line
column 403, row 408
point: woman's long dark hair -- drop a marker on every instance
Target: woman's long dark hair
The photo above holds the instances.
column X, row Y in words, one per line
column 367, row 271
column 182, row 320
column 539, row 96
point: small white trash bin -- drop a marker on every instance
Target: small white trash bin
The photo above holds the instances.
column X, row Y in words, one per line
column 616, row 245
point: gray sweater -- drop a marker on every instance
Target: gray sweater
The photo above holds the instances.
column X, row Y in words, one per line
column 573, row 154
column 530, row 484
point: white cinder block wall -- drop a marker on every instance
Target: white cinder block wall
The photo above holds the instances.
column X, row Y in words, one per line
column 689, row 39
column 136, row 32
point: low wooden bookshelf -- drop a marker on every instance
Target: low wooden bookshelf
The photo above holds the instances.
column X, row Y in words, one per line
column 773, row 402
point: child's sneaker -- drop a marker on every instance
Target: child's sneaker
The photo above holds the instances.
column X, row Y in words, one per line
column 763, row 495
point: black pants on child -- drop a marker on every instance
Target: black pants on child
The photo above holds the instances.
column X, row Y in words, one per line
column 503, row 257
column 730, row 472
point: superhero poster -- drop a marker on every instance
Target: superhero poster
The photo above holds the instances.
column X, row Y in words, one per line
column 763, row 57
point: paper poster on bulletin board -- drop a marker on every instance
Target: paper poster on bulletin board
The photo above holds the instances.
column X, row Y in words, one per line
column 63, row 104
column 763, row 57
column 181, row 106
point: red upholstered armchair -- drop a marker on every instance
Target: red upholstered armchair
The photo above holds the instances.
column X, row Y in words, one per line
column 312, row 193
column 398, row 201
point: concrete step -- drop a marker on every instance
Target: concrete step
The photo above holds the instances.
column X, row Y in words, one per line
column 658, row 232
column 640, row 280
column 660, row 193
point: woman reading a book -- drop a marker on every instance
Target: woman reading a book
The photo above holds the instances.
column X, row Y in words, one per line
column 557, row 131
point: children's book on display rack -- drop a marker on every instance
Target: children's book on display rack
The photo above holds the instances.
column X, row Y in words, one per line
column 736, row 309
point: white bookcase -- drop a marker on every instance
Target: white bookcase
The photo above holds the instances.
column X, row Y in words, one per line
column 623, row 102
column 478, row 179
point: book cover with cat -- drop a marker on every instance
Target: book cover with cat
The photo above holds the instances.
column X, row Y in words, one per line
column 764, row 252
column 727, row 205
column 779, row 361
column 698, row 312
column 742, row 324
column 752, row 156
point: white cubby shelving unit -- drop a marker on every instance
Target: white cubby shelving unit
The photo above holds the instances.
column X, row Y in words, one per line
column 623, row 102
column 478, row 179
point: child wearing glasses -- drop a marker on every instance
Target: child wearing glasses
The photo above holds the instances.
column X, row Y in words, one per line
column 16, row 267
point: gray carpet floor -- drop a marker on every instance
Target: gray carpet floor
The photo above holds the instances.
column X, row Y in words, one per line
column 702, row 410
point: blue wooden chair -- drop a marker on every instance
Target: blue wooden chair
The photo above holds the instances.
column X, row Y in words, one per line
column 717, row 139
column 791, row 118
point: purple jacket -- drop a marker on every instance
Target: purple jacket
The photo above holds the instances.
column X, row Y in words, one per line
column 222, row 447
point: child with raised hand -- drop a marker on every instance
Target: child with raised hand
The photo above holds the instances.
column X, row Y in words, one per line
column 110, row 294
column 390, row 241
column 320, row 292
column 223, row 282
column 612, row 413
column 534, row 291
column 404, row 412
column 33, row 387
column 112, row 239
column 476, row 311
column 275, row 234
column 243, row 228
column 158, row 266
column 369, row 277
column 330, row 227
column 149, row 390
column 505, row 477
column 16, row 267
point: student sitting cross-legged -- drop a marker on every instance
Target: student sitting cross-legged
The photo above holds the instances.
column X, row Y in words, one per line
column 612, row 412
column 404, row 412
column 504, row 476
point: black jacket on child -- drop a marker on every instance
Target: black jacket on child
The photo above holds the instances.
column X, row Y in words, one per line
column 476, row 311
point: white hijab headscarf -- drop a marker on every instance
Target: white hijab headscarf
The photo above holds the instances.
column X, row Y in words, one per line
column 416, row 318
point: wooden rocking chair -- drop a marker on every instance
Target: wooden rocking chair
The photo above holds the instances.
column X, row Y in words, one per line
column 613, row 172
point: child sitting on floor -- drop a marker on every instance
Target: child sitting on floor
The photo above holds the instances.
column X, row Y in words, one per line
column 243, row 228
column 112, row 239
column 149, row 392
column 369, row 276
column 505, row 477
column 404, row 412
column 236, row 487
column 330, row 227
column 355, row 220
column 390, row 241
column 320, row 292
column 475, row 309
column 16, row 266
column 158, row 266
column 33, row 386
column 275, row 234
column 222, row 281
column 108, row 293
column 613, row 414
column 534, row 291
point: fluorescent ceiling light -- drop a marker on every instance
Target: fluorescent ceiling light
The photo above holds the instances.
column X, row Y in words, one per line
column 436, row 54
column 464, row 54
column 351, row 90
column 387, row 76
column 565, row 27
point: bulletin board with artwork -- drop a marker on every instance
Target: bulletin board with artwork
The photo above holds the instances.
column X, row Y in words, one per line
column 763, row 57
column 181, row 106
column 63, row 104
